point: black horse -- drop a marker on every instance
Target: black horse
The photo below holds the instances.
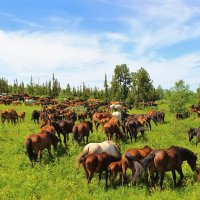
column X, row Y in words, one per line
column 194, row 132
column 35, row 116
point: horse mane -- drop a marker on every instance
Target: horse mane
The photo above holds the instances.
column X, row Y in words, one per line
column 184, row 151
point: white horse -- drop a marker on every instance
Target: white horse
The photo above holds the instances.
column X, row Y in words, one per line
column 118, row 115
column 29, row 102
column 108, row 147
column 116, row 107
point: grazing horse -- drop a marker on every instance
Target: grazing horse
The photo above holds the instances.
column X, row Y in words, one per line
column 35, row 143
column 99, row 116
column 116, row 107
column 63, row 127
column 35, row 116
column 118, row 116
column 137, row 154
column 131, row 127
column 82, row 130
column 170, row 159
column 108, row 147
column 145, row 120
column 110, row 128
column 97, row 163
column 21, row 116
column 114, row 169
column 194, row 132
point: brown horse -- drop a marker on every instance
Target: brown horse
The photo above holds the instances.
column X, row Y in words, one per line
column 63, row 127
column 21, row 116
column 82, row 116
column 198, row 175
column 110, row 128
column 170, row 159
column 131, row 127
column 36, row 143
column 114, row 169
column 82, row 130
column 137, row 154
column 97, row 163
column 98, row 116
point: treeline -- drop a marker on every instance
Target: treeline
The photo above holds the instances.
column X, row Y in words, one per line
column 130, row 87
column 126, row 86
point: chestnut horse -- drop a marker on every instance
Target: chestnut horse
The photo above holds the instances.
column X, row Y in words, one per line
column 81, row 130
column 114, row 169
column 35, row 143
column 110, row 128
column 170, row 159
column 97, row 163
column 137, row 154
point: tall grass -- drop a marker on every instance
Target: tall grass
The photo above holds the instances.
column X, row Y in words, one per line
column 59, row 177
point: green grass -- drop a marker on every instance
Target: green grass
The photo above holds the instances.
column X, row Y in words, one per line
column 59, row 178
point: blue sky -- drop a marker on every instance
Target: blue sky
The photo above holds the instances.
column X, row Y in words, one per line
column 81, row 40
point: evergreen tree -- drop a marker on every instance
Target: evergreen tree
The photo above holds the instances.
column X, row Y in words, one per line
column 142, row 86
column 106, row 88
column 120, row 82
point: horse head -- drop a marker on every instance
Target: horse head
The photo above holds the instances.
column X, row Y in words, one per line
column 191, row 134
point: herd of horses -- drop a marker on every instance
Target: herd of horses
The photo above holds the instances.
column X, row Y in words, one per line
column 107, row 156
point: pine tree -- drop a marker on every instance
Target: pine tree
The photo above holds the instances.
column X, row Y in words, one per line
column 106, row 88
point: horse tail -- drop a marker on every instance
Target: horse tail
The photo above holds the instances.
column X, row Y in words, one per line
column 146, row 162
column 121, row 135
column 130, row 157
column 75, row 134
column 29, row 148
column 82, row 156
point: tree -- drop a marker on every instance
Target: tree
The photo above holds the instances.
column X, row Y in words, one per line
column 178, row 97
column 198, row 95
column 142, row 86
column 106, row 88
column 120, row 82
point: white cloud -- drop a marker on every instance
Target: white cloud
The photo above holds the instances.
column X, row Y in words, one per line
column 82, row 56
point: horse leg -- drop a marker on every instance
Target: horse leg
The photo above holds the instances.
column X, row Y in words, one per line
column 87, row 139
column 135, row 136
column 174, row 177
column 106, row 177
column 90, row 176
column 162, row 174
column 99, row 178
column 152, row 184
column 64, row 134
column 181, row 175
column 124, row 168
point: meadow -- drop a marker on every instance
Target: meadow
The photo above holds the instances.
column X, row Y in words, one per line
column 60, row 178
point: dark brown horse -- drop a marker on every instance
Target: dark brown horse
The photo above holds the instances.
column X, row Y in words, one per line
column 63, row 127
column 82, row 130
column 170, row 159
column 36, row 143
column 194, row 132
column 131, row 127
column 97, row 163
column 137, row 154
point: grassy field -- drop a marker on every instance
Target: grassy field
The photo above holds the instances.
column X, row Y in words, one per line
column 59, row 178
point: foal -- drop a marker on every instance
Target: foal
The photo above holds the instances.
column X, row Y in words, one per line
column 97, row 163
column 114, row 169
